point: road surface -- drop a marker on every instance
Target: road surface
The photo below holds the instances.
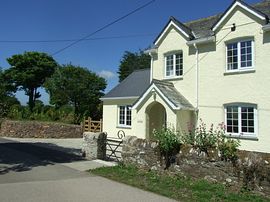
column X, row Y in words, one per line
column 32, row 173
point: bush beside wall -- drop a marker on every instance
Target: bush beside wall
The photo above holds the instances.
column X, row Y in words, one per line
column 36, row 129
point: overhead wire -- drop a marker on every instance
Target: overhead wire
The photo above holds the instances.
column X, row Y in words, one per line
column 103, row 27
column 71, row 40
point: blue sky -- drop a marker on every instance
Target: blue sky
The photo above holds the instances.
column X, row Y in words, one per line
column 74, row 19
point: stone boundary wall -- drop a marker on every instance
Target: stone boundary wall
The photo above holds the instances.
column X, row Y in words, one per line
column 141, row 152
column 36, row 129
column 252, row 169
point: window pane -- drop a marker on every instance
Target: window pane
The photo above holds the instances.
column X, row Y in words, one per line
column 247, row 114
column 232, row 119
column 235, row 129
column 128, row 118
column 121, row 115
column 251, row 123
column 235, row 115
column 244, row 129
column 244, row 123
column 246, row 54
column 179, row 64
column 169, row 65
column 250, row 115
column 251, row 130
column 232, row 56
column 229, row 129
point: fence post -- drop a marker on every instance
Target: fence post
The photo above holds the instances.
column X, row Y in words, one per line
column 101, row 125
column 101, row 146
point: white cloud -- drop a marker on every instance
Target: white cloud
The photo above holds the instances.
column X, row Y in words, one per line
column 107, row 74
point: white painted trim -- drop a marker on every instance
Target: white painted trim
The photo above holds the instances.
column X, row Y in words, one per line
column 153, row 87
column 151, row 51
column 202, row 41
column 168, row 26
column 266, row 28
column 120, row 98
column 239, row 68
column 243, row 134
column 125, row 116
column 174, row 76
column 142, row 97
column 237, row 3
column 151, row 67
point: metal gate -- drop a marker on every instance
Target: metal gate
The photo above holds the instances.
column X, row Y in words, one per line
column 114, row 147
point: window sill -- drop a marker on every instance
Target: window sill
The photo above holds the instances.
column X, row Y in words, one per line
column 123, row 127
column 246, row 71
column 173, row 78
column 243, row 137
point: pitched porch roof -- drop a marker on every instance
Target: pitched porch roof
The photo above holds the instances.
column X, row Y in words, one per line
column 168, row 93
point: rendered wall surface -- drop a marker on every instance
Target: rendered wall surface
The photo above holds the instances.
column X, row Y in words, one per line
column 216, row 86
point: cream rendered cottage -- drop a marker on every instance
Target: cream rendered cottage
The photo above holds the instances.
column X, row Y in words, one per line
column 216, row 69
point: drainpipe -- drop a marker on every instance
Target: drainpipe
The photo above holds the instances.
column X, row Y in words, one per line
column 197, row 85
column 151, row 68
column 197, row 76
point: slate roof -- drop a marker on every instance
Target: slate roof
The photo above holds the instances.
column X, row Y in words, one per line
column 132, row 86
column 170, row 92
column 202, row 27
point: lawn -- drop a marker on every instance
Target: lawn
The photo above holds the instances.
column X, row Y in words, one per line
column 176, row 187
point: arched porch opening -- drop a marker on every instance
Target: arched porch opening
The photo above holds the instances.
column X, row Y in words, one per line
column 156, row 118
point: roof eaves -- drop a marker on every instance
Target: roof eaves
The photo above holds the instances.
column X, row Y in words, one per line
column 118, row 98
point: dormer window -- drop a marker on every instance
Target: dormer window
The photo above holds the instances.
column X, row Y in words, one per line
column 174, row 65
column 240, row 55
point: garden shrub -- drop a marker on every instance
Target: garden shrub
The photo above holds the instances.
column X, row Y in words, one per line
column 169, row 143
column 228, row 148
column 206, row 139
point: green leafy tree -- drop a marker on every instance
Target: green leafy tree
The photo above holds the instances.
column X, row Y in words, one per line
column 29, row 71
column 7, row 98
column 133, row 61
column 78, row 87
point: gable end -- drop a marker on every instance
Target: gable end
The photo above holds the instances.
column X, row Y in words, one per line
column 246, row 7
column 186, row 31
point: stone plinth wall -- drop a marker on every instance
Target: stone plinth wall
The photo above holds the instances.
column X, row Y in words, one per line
column 35, row 129
column 140, row 152
column 252, row 169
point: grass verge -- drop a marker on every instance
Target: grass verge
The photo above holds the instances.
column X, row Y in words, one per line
column 176, row 187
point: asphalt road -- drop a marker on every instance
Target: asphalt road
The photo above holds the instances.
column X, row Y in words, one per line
column 32, row 173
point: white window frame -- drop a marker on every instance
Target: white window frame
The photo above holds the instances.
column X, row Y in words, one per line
column 240, row 133
column 174, row 64
column 125, row 125
column 239, row 68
